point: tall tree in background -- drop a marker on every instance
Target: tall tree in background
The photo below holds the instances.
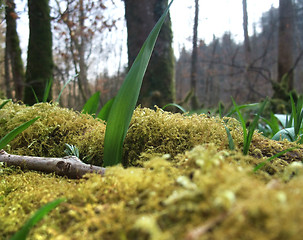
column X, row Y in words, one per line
column 158, row 86
column 285, row 50
column 194, row 59
column 39, row 56
column 247, row 51
column 13, row 60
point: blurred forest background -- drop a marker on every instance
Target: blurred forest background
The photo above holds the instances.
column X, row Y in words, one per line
column 67, row 40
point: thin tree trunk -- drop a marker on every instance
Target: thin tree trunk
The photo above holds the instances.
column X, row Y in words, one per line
column 194, row 60
column 13, row 51
column 285, row 44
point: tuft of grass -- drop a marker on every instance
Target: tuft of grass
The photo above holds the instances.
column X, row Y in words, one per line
column 124, row 104
column 44, row 210
column 293, row 125
column 248, row 133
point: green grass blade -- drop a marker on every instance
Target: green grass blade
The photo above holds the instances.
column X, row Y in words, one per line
column 175, row 105
column 233, row 110
column 242, row 121
column 105, row 110
column 92, row 104
column 124, row 104
column 44, row 210
column 252, row 128
column 35, row 95
column 47, row 90
column 260, row 165
column 4, row 103
column 59, row 96
column 12, row 134
column 230, row 139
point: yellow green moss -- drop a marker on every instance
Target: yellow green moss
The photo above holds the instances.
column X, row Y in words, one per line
column 189, row 185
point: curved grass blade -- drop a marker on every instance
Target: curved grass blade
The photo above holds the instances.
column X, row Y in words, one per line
column 12, row 134
column 233, row 110
column 47, row 90
column 252, row 128
column 242, row 121
column 124, row 104
column 35, row 95
column 260, row 165
column 44, row 210
column 175, row 105
column 59, row 96
column 4, row 103
column 230, row 139
column 105, row 110
column 92, row 104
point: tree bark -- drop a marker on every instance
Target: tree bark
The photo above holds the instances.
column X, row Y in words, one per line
column 158, row 87
column 39, row 57
column 13, row 53
column 71, row 166
column 194, row 59
column 285, row 49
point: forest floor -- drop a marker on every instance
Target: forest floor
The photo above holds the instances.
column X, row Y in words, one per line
column 182, row 181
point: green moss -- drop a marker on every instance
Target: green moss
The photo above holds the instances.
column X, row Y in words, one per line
column 189, row 186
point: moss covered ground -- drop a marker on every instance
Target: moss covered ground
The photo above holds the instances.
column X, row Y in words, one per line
column 181, row 182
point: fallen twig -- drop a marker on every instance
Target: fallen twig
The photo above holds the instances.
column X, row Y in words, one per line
column 69, row 166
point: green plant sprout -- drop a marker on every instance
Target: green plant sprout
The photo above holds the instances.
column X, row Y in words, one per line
column 247, row 136
column 39, row 214
column 124, row 104
column 293, row 125
column 71, row 150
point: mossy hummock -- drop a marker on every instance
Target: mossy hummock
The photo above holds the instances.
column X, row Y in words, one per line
column 186, row 184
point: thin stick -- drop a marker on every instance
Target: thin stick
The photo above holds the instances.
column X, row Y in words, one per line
column 69, row 166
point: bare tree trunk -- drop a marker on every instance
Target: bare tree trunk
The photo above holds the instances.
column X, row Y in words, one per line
column 13, row 51
column 285, row 48
column 247, row 52
column 194, row 60
column 158, row 87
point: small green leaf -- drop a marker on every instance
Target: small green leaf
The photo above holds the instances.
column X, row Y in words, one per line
column 92, row 104
column 12, row 134
column 285, row 133
column 23, row 232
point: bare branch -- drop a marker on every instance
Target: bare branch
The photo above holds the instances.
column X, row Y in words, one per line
column 70, row 166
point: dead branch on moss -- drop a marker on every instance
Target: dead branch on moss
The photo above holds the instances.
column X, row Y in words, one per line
column 69, row 166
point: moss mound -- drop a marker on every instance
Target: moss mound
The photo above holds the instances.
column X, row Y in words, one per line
column 189, row 185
